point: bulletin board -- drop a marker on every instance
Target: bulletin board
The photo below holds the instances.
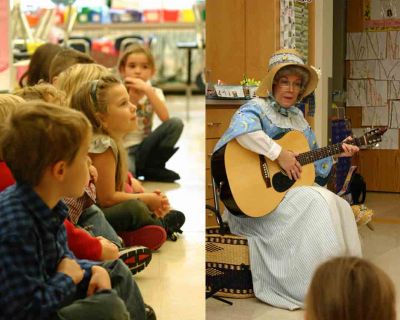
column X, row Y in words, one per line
column 294, row 25
column 5, row 52
column 373, row 86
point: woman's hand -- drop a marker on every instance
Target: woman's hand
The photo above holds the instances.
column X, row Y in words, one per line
column 288, row 162
column 348, row 149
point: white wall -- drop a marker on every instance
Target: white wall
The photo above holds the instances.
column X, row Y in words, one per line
column 323, row 60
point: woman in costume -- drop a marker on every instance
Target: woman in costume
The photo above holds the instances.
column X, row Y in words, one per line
column 311, row 224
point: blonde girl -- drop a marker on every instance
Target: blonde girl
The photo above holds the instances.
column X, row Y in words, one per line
column 350, row 288
column 105, row 102
column 148, row 150
column 72, row 78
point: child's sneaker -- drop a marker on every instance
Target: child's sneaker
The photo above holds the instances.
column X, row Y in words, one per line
column 136, row 258
column 150, row 314
column 173, row 223
column 151, row 236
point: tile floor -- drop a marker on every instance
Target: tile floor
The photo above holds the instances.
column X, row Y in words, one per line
column 173, row 284
column 381, row 246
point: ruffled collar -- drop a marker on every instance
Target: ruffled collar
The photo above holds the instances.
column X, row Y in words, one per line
column 283, row 111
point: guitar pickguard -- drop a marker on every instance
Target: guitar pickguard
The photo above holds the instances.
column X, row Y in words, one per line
column 281, row 182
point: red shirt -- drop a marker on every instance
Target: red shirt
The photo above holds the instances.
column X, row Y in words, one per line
column 6, row 177
column 81, row 243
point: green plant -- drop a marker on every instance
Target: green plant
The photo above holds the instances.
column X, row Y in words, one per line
column 249, row 81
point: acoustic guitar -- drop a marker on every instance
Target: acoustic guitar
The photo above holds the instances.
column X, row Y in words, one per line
column 249, row 184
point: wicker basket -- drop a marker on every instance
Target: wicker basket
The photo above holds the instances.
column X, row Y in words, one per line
column 227, row 265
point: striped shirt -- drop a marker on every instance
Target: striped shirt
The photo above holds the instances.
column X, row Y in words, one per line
column 32, row 244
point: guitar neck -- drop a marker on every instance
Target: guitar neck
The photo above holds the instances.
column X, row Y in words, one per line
column 317, row 154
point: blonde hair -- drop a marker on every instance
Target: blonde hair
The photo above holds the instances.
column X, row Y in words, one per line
column 136, row 49
column 91, row 99
column 8, row 104
column 75, row 76
column 350, row 288
column 38, row 135
column 43, row 91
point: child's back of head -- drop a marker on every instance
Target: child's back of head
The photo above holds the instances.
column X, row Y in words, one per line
column 38, row 135
column 350, row 288
column 42, row 91
column 8, row 104
column 39, row 65
column 65, row 59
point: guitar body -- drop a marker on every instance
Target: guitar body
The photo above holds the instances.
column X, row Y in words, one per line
column 253, row 185
column 250, row 184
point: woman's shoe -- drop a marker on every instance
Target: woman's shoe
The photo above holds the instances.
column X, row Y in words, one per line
column 151, row 236
column 136, row 258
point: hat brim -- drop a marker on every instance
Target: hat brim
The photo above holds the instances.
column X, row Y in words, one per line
column 265, row 87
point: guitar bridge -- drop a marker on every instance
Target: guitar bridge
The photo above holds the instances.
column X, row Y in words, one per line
column 265, row 171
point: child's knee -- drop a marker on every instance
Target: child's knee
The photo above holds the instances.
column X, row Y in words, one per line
column 176, row 124
column 112, row 303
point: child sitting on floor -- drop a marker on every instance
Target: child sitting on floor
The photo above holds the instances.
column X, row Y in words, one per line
column 106, row 104
column 46, row 149
column 148, row 150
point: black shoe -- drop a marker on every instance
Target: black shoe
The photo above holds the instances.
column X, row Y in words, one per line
column 173, row 223
column 158, row 174
column 150, row 314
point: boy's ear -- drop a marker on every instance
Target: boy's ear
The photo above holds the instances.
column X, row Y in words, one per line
column 58, row 170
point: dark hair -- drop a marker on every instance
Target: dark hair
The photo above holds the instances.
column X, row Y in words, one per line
column 40, row 64
column 66, row 58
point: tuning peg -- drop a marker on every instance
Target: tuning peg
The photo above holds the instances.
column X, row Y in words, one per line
column 377, row 145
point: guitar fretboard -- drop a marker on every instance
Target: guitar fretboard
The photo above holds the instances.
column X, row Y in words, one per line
column 317, row 154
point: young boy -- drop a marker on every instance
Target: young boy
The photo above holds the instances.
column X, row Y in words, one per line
column 46, row 149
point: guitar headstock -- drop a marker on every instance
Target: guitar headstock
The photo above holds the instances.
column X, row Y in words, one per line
column 371, row 137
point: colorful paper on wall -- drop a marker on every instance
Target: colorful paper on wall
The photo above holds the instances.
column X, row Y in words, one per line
column 4, row 34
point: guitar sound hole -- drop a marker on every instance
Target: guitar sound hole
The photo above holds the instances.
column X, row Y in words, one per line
column 281, row 182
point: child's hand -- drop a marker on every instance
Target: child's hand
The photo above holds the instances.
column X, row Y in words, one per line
column 137, row 84
column 93, row 173
column 165, row 206
column 136, row 185
column 153, row 200
column 71, row 268
column 109, row 251
column 100, row 280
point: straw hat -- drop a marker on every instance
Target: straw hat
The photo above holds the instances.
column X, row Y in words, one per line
column 283, row 58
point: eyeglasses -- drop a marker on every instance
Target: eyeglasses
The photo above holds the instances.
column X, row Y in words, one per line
column 285, row 84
